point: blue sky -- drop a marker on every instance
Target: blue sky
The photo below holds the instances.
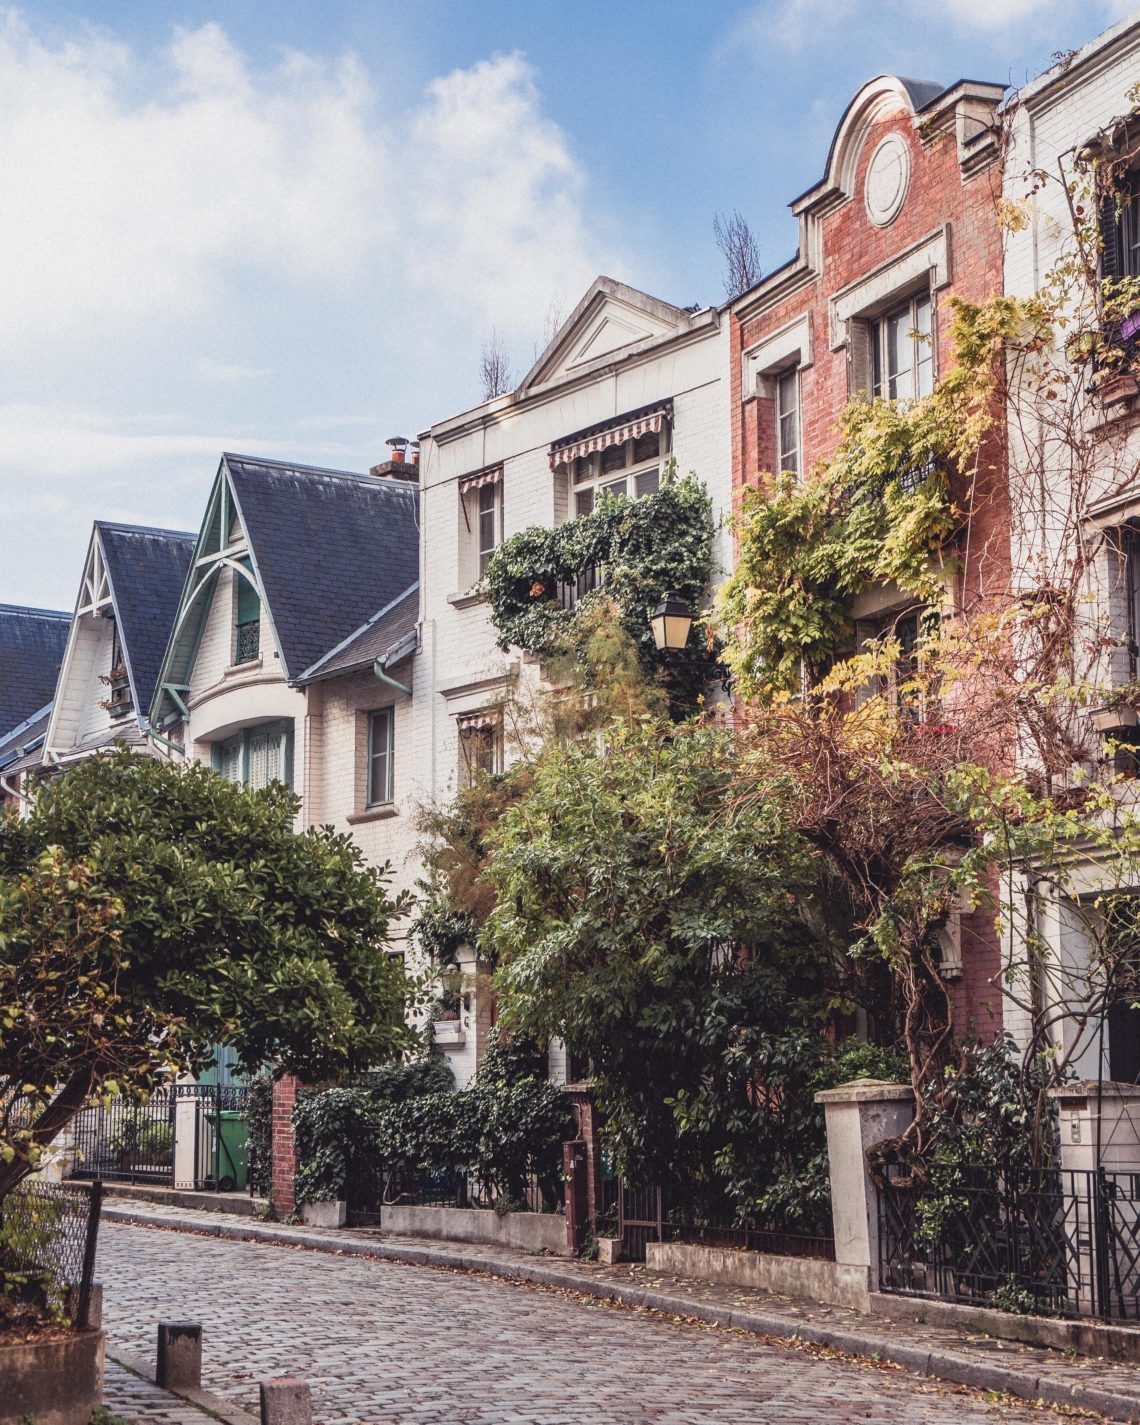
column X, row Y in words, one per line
column 287, row 228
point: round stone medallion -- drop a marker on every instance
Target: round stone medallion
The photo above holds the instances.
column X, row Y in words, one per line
column 888, row 177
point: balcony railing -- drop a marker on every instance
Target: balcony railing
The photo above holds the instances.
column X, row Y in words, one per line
column 570, row 592
column 248, row 641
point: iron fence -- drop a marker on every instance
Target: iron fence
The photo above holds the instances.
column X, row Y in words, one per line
column 457, row 1188
column 1054, row 1242
column 184, row 1135
column 650, row 1212
column 48, row 1235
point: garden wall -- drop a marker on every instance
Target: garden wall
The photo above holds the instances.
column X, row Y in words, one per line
column 526, row 1231
column 808, row 1277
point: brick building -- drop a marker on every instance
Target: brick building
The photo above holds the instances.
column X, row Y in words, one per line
column 903, row 219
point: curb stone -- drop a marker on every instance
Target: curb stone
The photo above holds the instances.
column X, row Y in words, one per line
column 940, row 1364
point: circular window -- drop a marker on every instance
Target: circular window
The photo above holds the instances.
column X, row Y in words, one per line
column 888, row 177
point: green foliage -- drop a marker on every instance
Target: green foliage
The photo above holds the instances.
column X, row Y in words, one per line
column 259, row 1123
column 655, row 925
column 30, row 1226
column 648, row 546
column 986, row 1118
column 351, row 1142
column 149, row 911
column 139, row 1133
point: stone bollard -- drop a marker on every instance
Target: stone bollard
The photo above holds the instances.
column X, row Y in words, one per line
column 179, row 1355
column 286, row 1401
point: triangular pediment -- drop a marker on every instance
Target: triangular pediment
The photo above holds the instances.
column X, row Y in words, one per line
column 611, row 319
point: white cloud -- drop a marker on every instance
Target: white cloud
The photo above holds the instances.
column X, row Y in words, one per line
column 276, row 248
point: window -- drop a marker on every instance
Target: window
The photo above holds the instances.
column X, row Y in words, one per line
column 381, row 732
column 480, row 747
column 632, row 468
column 788, row 421
column 902, row 351
column 247, row 619
column 910, row 629
column 480, row 523
column 119, row 702
column 1120, row 231
column 257, row 756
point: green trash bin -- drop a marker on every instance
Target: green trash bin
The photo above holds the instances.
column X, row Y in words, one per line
column 232, row 1151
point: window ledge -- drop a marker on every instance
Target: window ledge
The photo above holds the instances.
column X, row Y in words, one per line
column 235, row 670
column 372, row 814
column 449, row 1031
column 465, row 601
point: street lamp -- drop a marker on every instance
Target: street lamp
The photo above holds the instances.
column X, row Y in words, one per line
column 670, row 622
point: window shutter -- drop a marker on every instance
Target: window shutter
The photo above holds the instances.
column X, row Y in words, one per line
column 858, row 358
column 1111, row 257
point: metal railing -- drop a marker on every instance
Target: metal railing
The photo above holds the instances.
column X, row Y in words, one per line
column 572, row 590
column 455, row 1189
column 182, row 1136
column 1053, row 1242
column 648, row 1212
column 248, row 644
column 48, row 1236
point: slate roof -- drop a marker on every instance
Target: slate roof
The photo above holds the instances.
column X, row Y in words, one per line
column 147, row 570
column 23, row 744
column 388, row 635
column 31, row 649
column 330, row 547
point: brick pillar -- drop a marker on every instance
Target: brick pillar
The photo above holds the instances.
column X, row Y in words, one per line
column 582, row 1108
column 283, row 1158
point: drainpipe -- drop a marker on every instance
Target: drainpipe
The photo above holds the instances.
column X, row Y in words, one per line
column 378, row 669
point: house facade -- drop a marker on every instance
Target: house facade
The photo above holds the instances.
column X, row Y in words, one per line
column 290, row 653
column 132, row 579
column 903, row 219
column 1076, row 501
column 628, row 383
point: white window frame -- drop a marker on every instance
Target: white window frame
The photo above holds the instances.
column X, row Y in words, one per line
column 387, row 717
column 920, row 344
column 788, row 456
column 588, row 478
column 239, row 745
column 483, row 550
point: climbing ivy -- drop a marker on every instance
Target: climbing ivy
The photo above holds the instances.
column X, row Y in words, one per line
column 646, row 547
column 881, row 510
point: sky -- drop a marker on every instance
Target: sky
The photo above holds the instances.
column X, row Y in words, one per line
column 287, row 229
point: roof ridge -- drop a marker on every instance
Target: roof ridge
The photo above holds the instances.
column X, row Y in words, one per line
column 39, row 613
column 372, row 482
column 145, row 529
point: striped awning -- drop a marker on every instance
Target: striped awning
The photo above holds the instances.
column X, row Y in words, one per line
column 479, row 478
column 485, row 720
column 616, row 432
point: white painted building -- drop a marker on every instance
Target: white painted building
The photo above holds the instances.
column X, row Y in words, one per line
column 1081, row 108
column 627, row 382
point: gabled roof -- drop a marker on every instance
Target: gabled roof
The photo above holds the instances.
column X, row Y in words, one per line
column 387, row 637
column 146, row 569
column 32, row 642
column 612, row 319
column 327, row 548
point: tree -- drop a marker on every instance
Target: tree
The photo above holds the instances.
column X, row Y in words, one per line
column 495, row 367
column 149, row 911
column 660, row 933
column 740, row 252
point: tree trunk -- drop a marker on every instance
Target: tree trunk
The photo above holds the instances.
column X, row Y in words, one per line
column 55, row 1117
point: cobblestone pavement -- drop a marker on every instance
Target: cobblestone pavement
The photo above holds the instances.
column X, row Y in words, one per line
column 141, row 1403
column 380, row 1341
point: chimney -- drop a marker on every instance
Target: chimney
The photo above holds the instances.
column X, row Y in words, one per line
column 398, row 466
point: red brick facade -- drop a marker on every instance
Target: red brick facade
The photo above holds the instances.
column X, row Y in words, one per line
column 283, row 1160
column 944, row 240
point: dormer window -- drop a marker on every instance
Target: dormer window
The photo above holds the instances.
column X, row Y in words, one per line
column 247, row 620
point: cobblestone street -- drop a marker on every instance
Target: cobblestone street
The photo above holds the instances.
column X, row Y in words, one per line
column 379, row 1341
